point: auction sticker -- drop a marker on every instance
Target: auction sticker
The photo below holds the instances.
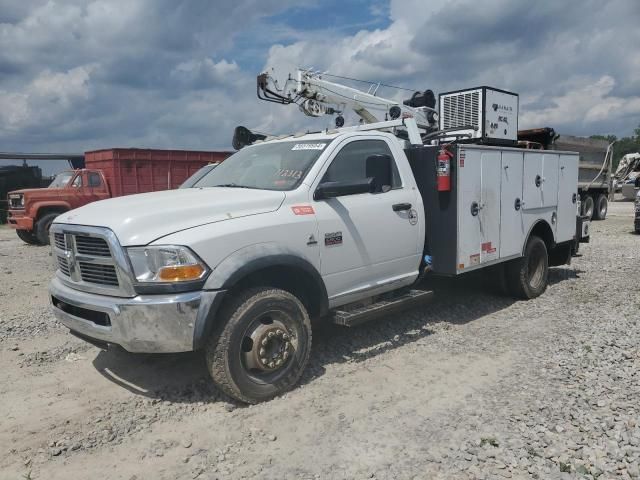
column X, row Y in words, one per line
column 309, row 146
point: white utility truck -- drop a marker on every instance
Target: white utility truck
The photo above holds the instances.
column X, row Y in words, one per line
column 339, row 225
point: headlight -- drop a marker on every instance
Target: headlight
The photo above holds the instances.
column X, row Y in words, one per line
column 19, row 197
column 166, row 264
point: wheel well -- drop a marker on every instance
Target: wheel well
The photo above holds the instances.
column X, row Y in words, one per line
column 42, row 211
column 294, row 280
column 542, row 230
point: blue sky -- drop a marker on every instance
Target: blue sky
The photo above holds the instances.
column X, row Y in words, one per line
column 77, row 75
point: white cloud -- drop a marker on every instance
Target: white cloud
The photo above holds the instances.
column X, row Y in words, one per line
column 49, row 96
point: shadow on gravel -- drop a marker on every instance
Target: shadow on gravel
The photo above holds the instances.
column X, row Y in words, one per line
column 557, row 275
column 183, row 378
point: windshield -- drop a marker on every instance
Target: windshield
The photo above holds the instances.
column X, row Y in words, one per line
column 269, row 166
column 191, row 181
column 61, row 180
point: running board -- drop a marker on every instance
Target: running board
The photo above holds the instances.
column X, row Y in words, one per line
column 356, row 316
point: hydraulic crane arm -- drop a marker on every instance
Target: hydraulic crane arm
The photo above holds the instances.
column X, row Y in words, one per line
column 316, row 96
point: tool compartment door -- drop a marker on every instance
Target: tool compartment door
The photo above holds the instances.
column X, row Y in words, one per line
column 567, row 195
column 540, row 188
column 479, row 207
column 511, row 226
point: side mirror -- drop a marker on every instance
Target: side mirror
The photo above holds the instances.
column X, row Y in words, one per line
column 339, row 189
column 378, row 168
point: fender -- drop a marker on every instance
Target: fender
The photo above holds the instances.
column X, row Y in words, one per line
column 255, row 257
column 538, row 224
column 35, row 207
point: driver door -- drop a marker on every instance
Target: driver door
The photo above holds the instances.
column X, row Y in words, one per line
column 367, row 246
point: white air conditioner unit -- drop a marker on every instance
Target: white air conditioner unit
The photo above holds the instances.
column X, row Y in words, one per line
column 484, row 114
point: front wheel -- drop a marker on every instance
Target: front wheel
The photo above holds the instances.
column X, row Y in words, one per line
column 528, row 276
column 28, row 237
column 42, row 227
column 261, row 346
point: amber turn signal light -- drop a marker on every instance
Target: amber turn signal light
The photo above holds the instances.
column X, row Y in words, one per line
column 181, row 273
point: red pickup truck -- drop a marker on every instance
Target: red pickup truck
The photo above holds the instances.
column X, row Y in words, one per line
column 108, row 173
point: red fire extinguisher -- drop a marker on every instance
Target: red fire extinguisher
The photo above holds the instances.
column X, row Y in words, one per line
column 444, row 170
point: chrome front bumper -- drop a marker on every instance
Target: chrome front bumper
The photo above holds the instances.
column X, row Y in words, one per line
column 146, row 323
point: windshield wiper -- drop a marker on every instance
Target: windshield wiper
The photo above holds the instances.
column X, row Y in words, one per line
column 233, row 185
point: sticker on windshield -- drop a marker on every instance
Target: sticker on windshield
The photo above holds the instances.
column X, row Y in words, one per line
column 309, row 146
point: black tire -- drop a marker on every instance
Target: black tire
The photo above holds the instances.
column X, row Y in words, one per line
column 28, row 237
column 600, row 208
column 42, row 227
column 528, row 276
column 588, row 206
column 229, row 347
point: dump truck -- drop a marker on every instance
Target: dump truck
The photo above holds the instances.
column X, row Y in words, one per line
column 340, row 225
column 108, row 173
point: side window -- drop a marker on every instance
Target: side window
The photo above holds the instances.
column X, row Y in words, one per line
column 94, row 179
column 77, row 182
column 350, row 162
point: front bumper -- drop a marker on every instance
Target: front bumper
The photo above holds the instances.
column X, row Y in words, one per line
column 146, row 323
column 18, row 220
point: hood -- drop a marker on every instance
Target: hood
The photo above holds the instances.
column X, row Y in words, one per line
column 143, row 218
column 32, row 191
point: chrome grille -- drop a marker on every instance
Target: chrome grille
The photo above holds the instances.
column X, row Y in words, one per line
column 59, row 240
column 63, row 265
column 92, row 246
column 91, row 259
column 97, row 273
column 461, row 110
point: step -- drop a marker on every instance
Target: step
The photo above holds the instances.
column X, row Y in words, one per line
column 356, row 316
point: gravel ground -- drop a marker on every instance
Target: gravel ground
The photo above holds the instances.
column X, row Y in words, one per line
column 472, row 385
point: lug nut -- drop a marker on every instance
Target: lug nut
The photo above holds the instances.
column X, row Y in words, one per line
column 272, row 334
column 285, row 337
column 279, row 362
column 280, row 333
column 263, row 361
column 285, row 355
column 272, row 364
column 263, row 352
column 264, row 341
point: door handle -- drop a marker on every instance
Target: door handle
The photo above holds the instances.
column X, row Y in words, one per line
column 401, row 206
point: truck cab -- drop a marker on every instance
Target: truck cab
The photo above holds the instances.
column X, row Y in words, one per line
column 31, row 211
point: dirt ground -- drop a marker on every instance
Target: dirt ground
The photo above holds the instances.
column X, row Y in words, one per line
column 471, row 385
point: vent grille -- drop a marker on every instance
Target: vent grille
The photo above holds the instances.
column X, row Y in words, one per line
column 97, row 247
column 63, row 265
column 96, row 273
column 59, row 240
column 461, row 110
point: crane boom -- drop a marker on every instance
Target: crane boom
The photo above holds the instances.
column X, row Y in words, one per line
column 317, row 96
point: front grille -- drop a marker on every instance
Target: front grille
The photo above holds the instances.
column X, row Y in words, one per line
column 95, row 246
column 97, row 273
column 460, row 110
column 59, row 240
column 86, row 261
column 63, row 265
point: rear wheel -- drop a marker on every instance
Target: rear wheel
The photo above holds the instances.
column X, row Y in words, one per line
column 28, row 237
column 588, row 206
column 262, row 345
column 601, row 206
column 42, row 227
column 527, row 277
